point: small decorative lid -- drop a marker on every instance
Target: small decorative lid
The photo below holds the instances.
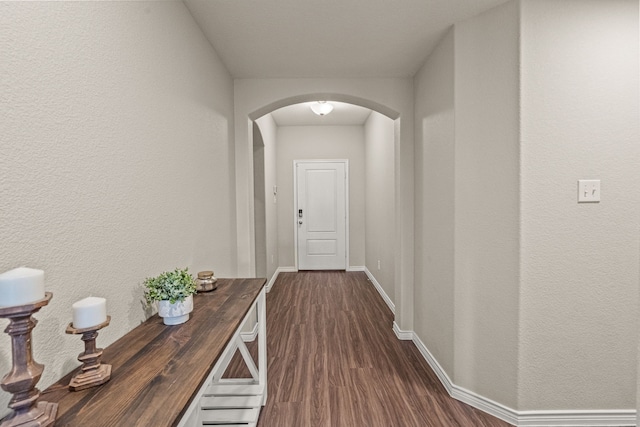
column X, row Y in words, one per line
column 205, row 274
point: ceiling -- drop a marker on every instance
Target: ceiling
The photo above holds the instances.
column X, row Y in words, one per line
column 330, row 38
column 301, row 115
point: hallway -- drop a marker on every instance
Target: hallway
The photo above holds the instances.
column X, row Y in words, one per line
column 335, row 361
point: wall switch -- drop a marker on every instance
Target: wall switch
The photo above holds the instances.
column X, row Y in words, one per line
column 378, row 264
column 588, row 190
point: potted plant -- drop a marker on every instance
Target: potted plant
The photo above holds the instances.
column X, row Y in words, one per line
column 174, row 292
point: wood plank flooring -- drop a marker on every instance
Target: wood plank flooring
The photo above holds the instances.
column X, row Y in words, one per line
column 335, row 361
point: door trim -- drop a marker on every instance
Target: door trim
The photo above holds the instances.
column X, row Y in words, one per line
column 346, row 205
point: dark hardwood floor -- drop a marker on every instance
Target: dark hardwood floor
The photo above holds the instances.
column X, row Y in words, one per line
column 334, row 361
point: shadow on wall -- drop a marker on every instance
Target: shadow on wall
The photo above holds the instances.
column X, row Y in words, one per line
column 139, row 306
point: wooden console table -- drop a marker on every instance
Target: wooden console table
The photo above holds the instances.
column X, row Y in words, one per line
column 171, row 375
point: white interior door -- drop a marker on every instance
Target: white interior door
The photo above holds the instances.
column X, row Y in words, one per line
column 321, row 215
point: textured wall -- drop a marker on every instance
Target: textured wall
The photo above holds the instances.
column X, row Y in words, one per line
column 268, row 129
column 320, row 142
column 546, row 289
column 487, row 204
column 379, row 200
column 579, row 304
column 115, row 161
column 259, row 218
column 434, row 204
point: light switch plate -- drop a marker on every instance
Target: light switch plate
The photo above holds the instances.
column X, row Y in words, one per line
column 588, row 190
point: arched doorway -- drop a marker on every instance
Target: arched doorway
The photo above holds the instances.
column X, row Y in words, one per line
column 389, row 97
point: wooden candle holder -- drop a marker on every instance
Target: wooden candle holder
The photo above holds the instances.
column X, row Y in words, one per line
column 25, row 374
column 93, row 373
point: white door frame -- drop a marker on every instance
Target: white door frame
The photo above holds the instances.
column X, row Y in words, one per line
column 295, row 204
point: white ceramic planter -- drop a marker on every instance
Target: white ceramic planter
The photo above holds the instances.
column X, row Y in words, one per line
column 176, row 313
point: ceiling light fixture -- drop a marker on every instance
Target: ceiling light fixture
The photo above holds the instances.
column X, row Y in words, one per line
column 321, row 108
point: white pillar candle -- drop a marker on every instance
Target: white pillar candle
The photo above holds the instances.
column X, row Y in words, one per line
column 89, row 312
column 21, row 286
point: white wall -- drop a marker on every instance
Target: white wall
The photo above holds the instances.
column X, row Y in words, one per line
column 434, row 204
column 259, row 200
column 268, row 130
column 546, row 289
column 323, row 143
column 115, row 165
column 379, row 200
column 579, row 263
column 486, row 204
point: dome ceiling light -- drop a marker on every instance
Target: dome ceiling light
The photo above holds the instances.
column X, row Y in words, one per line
column 321, row 108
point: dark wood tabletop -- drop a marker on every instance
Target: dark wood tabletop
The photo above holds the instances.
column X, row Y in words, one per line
column 157, row 369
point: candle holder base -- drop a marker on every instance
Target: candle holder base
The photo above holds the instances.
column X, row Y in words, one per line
column 93, row 372
column 92, row 378
column 41, row 415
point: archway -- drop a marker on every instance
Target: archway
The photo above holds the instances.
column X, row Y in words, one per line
column 382, row 109
column 389, row 97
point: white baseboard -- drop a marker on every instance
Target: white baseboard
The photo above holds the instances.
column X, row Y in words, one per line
column 584, row 418
column 484, row 404
column 278, row 271
column 440, row 373
column 381, row 291
column 402, row 335
column 250, row 336
column 272, row 280
column 608, row 418
column 356, row 268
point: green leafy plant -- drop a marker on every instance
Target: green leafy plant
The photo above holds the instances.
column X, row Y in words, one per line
column 170, row 286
